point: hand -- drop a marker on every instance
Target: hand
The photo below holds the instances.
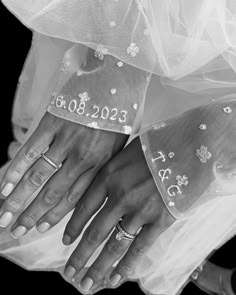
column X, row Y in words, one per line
column 132, row 196
column 82, row 152
column 213, row 279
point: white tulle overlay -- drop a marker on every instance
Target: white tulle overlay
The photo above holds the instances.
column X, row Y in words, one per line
column 190, row 48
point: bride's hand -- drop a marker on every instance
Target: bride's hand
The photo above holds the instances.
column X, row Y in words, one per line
column 82, row 152
column 132, row 196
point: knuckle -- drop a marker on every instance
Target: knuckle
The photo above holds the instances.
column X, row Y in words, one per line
column 76, row 260
column 114, row 248
column 138, row 251
column 36, row 178
column 28, row 220
column 126, row 269
column 93, row 236
column 81, row 209
column 14, row 173
column 124, row 198
column 14, row 205
column 96, row 273
column 73, row 198
column 52, row 198
column 150, row 204
column 31, row 154
column 54, row 217
column 108, row 171
column 71, row 231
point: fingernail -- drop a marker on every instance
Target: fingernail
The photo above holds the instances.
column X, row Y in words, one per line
column 115, row 279
column 86, row 284
column 18, row 232
column 6, row 218
column 69, row 271
column 8, row 188
column 66, row 240
column 43, row 227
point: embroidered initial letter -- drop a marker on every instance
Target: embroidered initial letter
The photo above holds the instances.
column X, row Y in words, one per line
column 161, row 156
column 173, row 188
column 164, row 174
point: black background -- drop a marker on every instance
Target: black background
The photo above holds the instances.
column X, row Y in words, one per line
column 15, row 43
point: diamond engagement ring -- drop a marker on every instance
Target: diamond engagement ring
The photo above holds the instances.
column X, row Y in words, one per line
column 122, row 234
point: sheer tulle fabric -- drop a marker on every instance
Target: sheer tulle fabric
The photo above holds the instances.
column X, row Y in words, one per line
column 175, row 38
column 190, row 45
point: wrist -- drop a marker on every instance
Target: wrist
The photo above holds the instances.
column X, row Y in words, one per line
column 226, row 282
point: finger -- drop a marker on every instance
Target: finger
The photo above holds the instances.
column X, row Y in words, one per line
column 28, row 154
column 54, row 190
column 48, row 198
column 112, row 251
column 142, row 243
column 67, row 203
column 94, row 235
column 34, row 178
column 210, row 278
column 85, row 209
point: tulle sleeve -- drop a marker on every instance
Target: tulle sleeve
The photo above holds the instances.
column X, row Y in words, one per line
column 193, row 157
column 99, row 91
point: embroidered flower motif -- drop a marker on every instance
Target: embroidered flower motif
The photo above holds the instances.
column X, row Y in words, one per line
column 84, row 96
column 100, row 52
column 203, row 154
column 133, row 50
column 203, row 127
column 227, row 110
column 182, row 180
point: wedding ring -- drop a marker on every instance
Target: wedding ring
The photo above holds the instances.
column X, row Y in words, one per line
column 122, row 234
column 50, row 162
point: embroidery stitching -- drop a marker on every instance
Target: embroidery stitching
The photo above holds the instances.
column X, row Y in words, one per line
column 203, row 154
column 133, row 50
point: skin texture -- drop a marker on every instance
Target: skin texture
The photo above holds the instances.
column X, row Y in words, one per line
column 83, row 152
column 132, row 196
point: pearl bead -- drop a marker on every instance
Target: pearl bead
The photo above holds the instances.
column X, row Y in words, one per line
column 171, row 155
column 171, row 204
column 227, row 110
column 113, row 91
column 120, row 64
column 203, row 127
column 135, row 106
